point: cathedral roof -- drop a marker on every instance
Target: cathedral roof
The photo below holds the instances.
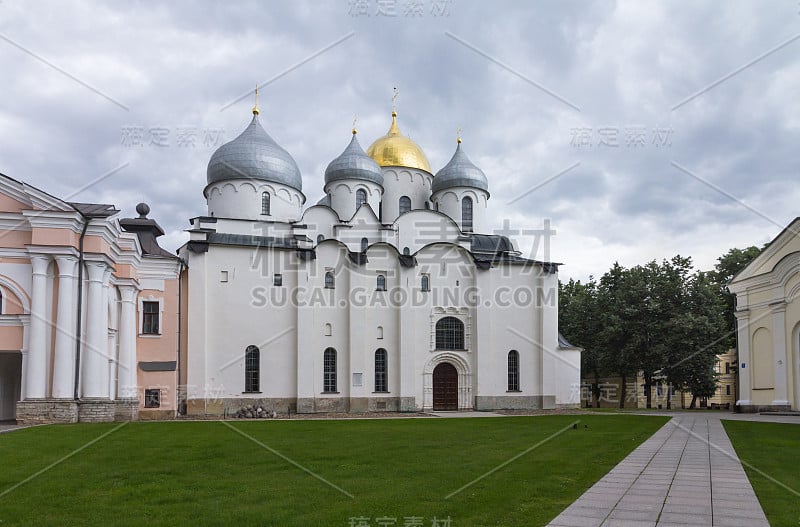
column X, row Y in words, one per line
column 354, row 163
column 460, row 172
column 254, row 155
column 396, row 150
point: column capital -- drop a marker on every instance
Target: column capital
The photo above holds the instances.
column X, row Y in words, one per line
column 127, row 293
column 39, row 262
column 778, row 307
column 67, row 265
column 96, row 270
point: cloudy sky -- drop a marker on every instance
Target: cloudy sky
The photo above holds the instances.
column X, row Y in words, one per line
column 639, row 130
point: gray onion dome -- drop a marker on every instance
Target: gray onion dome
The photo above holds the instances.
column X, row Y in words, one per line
column 460, row 172
column 354, row 163
column 254, row 155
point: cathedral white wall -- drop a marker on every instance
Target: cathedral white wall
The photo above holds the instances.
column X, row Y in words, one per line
column 400, row 181
column 343, row 196
column 242, row 199
column 419, row 228
column 449, row 202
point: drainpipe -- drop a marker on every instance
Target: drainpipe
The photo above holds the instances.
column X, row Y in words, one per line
column 181, row 266
column 78, row 323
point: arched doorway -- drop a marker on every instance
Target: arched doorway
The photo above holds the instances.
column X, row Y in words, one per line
column 445, row 387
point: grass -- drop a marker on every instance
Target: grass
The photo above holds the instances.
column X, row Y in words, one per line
column 773, row 449
column 204, row 473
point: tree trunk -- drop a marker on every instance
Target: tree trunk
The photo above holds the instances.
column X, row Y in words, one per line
column 647, row 389
column 596, row 389
column 683, row 399
column 694, row 400
column 669, row 396
column 623, row 393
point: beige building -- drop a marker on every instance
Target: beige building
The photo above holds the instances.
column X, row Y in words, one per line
column 768, row 326
column 88, row 311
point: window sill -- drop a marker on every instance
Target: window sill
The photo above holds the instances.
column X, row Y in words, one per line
column 513, row 391
column 149, row 335
column 329, row 393
column 386, row 392
column 450, row 349
column 250, row 393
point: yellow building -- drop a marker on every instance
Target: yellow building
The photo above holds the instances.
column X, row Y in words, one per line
column 768, row 326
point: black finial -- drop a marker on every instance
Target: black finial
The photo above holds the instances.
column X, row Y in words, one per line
column 143, row 209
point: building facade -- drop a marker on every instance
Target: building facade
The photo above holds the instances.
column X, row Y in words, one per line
column 386, row 295
column 88, row 311
column 768, row 326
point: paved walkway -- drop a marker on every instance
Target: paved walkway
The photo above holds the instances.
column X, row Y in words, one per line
column 687, row 473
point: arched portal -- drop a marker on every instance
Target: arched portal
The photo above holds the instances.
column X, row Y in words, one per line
column 445, row 387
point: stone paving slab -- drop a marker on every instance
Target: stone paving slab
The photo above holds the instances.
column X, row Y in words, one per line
column 686, row 474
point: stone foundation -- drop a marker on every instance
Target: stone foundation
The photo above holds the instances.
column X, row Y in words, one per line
column 126, row 410
column 757, row 408
column 515, row 402
column 156, row 415
column 96, row 410
column 46, row 411
column 228, row 407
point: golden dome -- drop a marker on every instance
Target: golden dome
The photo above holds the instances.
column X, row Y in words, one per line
column 397, row 150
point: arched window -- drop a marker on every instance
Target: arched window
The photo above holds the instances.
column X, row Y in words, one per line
column 513, row 371
column 320, row 238
column 405, row 204
column 381, row 382
column 328, row 330
column 361, row 197
column 466, row 214
column 364, row 244
column 380, row 332
column 425, row 282
column 252, row 369
column 381, row 283
column 330, row 281
column 329, row 370
column 449, row 334
column 265, row 203
column 406, row 251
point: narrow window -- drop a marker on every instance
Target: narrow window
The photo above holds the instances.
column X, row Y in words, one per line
column 152, row 398
column 425, row 282
column 513, row 371
column 320, row 238
column 381, row 283
column 277, row 280
column 251, row 369
column 364, row 244
column 466, row 214
column 328, row 330
column 330, row 283
column 727, row 368
column 329, row 370
column 405, row 204
column 727, row 389
column 381, row 384
column 406, row 251
column 449, row 334
column 150, row 318
column 380, row 332
column 265, row 204
column 361, row 197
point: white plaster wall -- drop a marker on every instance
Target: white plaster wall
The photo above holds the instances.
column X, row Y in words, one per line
column 449, row 202
column 241, row 199
column 343, row 196
column 401, row 181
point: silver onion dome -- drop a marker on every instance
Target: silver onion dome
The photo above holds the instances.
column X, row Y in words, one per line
column 354, row 163
column 254, row 155
column 460, row 172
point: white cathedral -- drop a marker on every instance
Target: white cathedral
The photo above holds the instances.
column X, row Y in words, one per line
column 384, row 296
column 387, row 295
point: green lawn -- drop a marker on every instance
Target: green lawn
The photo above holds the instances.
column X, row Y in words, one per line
column 774, row 450
column 204, row 473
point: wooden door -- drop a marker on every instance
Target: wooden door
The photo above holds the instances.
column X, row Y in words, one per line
column 445, row 387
